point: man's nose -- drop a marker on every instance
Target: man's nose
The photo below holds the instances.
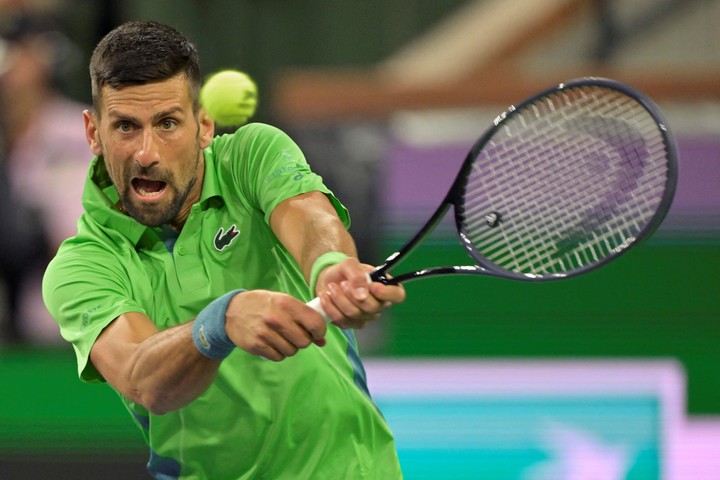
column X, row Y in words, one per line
column 148, row 154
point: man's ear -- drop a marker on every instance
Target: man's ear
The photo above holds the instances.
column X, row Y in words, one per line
column 207, row 128
column 91, row 132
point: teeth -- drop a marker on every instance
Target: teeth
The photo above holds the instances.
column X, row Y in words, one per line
column 148, row 188
column 145, row 193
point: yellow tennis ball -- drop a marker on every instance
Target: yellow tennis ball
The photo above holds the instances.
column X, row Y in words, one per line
column 230, row 98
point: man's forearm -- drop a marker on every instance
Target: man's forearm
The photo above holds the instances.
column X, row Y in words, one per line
column 169, row 371
column 308, row 226
column 321, row 237
column 162, row 371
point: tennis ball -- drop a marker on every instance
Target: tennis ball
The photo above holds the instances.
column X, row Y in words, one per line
column 229, row 97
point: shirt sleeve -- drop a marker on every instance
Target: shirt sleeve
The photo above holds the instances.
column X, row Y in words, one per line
column 85, row 289
column 271, row 168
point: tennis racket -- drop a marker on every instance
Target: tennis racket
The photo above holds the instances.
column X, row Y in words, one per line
column 559, row 185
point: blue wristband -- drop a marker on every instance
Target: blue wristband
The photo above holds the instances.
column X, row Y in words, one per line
column 209, row 332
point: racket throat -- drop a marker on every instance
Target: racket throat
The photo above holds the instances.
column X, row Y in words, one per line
column 381, row 277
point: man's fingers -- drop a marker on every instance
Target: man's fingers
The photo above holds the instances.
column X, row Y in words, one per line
column 314, row 325
column 300, row 331
column 358, row 287
column 347, row 312
column 275, row 326
column 388, row 293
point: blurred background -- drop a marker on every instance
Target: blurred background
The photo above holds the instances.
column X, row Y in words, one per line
column 613, row 375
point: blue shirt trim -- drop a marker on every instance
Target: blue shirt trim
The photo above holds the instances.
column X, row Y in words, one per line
column 353, row 355
column 161, row 468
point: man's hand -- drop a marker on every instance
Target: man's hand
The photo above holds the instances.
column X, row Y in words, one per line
column 349, row 298
column 272, row 325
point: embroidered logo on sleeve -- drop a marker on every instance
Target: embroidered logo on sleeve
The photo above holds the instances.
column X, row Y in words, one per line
column 223, row 238
column 203, row 338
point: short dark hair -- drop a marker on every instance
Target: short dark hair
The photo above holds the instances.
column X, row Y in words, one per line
column 140, row 52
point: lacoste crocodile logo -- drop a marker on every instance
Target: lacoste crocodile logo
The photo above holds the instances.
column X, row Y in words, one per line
column 223, row 238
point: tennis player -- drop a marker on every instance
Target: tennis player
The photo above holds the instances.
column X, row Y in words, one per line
column 186, row 283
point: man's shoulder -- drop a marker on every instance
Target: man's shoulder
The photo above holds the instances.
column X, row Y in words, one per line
column 249, row 136
column 87, row 244
column 94, row 239
column 249, row 151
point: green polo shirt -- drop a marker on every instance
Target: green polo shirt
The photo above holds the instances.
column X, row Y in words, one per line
column 308, row 416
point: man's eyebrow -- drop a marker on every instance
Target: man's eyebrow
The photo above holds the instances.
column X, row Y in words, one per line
column 116, row 115
column 166, row 113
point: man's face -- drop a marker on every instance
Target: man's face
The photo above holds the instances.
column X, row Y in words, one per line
column 152, row 145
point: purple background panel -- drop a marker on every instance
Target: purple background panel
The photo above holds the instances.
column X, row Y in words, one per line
column 417, row 178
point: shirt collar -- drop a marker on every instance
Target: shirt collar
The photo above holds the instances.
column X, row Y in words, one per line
column 211, row 185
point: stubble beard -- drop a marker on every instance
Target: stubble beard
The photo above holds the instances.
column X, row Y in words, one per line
column 156, row 214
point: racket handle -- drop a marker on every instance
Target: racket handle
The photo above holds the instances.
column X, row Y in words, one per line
column 315, row 305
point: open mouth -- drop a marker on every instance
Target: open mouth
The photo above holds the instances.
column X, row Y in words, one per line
column 148, row 188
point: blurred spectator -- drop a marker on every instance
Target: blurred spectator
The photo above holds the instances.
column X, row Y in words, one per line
column 45, row 162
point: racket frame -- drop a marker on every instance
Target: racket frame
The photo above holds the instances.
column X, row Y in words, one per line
column 454, row 197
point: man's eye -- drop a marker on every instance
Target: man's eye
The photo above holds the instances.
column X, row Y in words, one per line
column 168, row 124
column 124, row 127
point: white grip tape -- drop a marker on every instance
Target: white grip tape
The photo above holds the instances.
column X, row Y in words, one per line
column 315, row 305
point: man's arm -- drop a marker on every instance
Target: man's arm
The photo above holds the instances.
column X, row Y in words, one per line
column 164, row 370
column 161, row 371
column 308, row 226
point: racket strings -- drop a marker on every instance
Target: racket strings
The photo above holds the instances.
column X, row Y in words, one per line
column 573, row 178
column 540, row 181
